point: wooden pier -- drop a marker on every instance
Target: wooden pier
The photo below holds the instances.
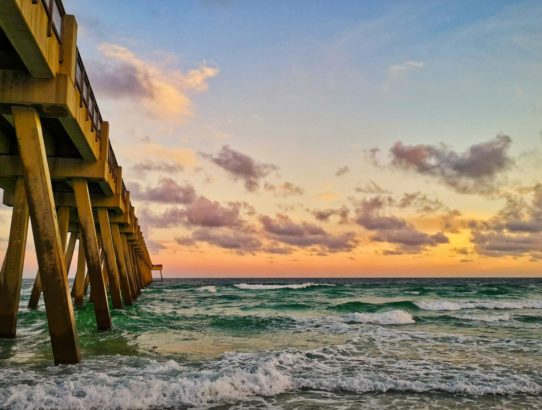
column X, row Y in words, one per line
column 58, row 170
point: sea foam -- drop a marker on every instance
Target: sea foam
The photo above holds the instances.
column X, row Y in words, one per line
column 168, row 386
column 255, row 286
column 448, row 305
column 392, row 317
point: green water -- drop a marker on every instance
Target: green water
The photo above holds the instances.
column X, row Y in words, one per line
column 292, row 344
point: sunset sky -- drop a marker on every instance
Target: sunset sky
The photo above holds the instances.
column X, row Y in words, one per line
column 324, row 138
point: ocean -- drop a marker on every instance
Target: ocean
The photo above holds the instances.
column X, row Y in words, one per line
column 292, row 344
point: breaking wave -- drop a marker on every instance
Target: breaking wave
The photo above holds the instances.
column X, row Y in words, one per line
column 447, row 305
column 238, row 377
column 254, row 286
column 210, row 289
column 392, row 317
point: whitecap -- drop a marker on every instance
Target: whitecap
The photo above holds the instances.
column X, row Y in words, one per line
column 448, row 305
column 210, row 289
column 392, row 317
column 256, row 286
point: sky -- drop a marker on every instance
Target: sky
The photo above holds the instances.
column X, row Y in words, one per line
column 324, row 138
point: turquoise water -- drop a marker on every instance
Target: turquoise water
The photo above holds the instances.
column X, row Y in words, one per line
column 293, row 344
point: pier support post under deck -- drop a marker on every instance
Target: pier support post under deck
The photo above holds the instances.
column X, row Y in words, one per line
column 10, row 291
column 90, row 242
column 107, row 243
column 137, row 270
column 123, row 271
column 50, row 255
column 63, row 215
column 130, row 266
column 79, row 281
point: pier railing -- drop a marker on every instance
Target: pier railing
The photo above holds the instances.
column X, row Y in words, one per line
column 82, row 83
column 55, row 11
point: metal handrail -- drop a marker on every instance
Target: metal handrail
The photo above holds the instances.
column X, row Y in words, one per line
column 87, row 95
column 55, row 11
column 112, row 162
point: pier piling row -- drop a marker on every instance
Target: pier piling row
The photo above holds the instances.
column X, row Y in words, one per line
column 58, row 172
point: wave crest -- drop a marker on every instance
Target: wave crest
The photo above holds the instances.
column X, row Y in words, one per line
column 210, row 289
column 256, row 286
column 392, row 317
column 448, row 305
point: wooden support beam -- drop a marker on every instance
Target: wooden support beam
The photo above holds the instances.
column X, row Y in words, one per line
column 92, row 253
column 123, row 270
column 63, row 215
column 10, row 291
column 109, row 251
column 130, row 266
column 87, row 283
column 51, row 262
column 78, row 289
column 137, row 270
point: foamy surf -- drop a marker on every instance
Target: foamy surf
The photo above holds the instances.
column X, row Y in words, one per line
column 392, row 317
column 255, row 286
column 448, row 305
column 241, row 377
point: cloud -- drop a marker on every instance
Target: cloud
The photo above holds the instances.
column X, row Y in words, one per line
column 342, row 171
column 397, row 70
column 283, row 229
column 167, row 191
column 171, row 217
column 473, row 171
column 394, row 230
column 241, row 166
column 371, row 187
column 451, row 221
column 421, row 202
column 284, row 190
column 397, row 74
column 237, row 241
column 161, row 92
column 201, row 212
column 324, row 215
column 514, row 231
column 157, row 166
column 207, row 213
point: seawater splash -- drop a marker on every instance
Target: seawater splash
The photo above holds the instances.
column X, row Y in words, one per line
column 276, row 345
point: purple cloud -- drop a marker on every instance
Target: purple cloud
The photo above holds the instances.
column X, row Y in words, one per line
column 206, row 213
column 285, row 189
column 167, row 191
column 241, row 166
column 157, row 166
column 240, row 242
column 283, row 229
column 515, row 230
column 394, row 230
column 473, row 171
